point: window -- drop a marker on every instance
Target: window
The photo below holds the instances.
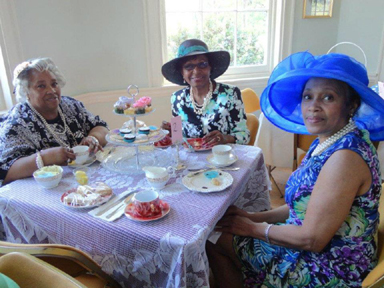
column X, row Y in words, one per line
column 237, row 26
column 257, row 34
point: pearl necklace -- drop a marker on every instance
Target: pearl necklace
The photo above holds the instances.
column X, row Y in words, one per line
column 320, row 148
column 198, row 109
column 49, row 128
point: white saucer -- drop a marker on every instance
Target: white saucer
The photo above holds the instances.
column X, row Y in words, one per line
column 90, row 161
column 232, row 159
column 200, row 183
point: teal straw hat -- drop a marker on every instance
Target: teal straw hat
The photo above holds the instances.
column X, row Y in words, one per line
column 218, row 60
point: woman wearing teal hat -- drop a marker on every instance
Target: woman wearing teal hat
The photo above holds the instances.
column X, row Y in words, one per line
column 324, row 235
column 208, row 109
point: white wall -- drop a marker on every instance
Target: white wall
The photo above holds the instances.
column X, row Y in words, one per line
column 98, row 45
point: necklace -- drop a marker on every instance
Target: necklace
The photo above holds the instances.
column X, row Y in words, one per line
column 49, row 128
column 198, row 109
column 320, row 148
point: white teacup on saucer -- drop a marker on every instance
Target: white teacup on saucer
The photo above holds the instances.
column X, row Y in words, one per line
column 221, row 153
column 158, row 176
column 212, row 160
column 82, row 153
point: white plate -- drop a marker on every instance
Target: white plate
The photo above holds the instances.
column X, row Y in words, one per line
column 232, row 159
column 103, row 200
column 201, row 183
column 90, row 161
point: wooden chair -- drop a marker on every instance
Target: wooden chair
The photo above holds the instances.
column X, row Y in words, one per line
column 303, row 142
column 251, row 100
column 375, row 278
column 70, row 260
column 253, row 126
column 28, row 271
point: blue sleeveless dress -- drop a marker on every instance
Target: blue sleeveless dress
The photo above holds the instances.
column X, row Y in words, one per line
column 348, row 257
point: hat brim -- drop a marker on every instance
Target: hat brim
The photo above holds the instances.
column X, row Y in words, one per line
column 281, row 102
column 218, row 60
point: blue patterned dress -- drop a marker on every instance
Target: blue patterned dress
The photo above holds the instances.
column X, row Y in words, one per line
column 225, row 113
column 351, row 253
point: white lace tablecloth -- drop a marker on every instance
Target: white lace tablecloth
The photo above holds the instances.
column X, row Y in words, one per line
column 169, row 252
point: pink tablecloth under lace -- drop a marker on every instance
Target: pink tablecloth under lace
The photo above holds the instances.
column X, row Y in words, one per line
column 169, row 252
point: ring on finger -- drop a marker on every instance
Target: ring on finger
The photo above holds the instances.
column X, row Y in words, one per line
column 218, row 138
column 69, row 160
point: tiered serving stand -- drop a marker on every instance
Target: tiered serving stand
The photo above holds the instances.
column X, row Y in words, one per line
column 132, row 157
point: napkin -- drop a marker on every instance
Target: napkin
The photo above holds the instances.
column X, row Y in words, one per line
column 111, row 205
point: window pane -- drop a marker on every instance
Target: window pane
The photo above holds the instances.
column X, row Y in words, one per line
column 180, row 27
column 219, row 5
column 253, row 4
column 181, row 5
column 219, row 31
column 252, row 38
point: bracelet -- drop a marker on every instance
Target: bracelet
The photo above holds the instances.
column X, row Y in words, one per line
column 39, row 160
column 267, row 232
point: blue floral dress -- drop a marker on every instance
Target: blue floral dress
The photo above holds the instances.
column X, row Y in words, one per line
column 225, row 113
column 351, row 253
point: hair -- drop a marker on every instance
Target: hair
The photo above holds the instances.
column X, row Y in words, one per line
column 22, row 72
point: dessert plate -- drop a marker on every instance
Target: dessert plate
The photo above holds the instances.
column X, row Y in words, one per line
column 129, row 212
column 114, row 137
column 197, row 144
column 201, row 183
column 102, row 201
column 90, row 161
column 232, row 159
column 134, row 115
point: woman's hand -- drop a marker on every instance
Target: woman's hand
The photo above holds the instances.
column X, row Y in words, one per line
column 93, row 143
column 216, row 138
column 57, row 156
column 236, row 225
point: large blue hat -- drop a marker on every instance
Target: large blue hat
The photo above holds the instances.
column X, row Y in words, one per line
column 281, row 99
column 218, row 60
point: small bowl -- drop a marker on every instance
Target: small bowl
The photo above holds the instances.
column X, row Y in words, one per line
column 48, row 176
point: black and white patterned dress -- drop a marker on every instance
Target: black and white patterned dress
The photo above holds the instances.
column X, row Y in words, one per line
column 22, row 133
column 225, row 113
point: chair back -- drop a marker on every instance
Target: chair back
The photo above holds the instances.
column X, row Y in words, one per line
column 303, row 142
column 375, row 278
column 251, row 100
column 69, row 259
column 253, row 126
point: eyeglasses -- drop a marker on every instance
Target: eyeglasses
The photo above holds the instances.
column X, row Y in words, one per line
column 200, row 65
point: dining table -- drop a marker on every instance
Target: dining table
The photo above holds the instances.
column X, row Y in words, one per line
column 168, row 252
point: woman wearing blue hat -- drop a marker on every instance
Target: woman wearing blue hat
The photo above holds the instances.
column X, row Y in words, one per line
column 324, row 235
column 208, row 109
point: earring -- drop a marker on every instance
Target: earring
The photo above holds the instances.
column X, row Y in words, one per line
column 184, row 81
column 351, row 117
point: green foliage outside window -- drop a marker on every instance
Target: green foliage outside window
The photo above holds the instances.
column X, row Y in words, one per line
column 245, row 38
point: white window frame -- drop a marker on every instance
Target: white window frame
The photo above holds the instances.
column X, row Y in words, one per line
column 282, row 13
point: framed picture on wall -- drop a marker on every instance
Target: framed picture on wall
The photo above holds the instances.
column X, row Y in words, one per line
column 317, row 8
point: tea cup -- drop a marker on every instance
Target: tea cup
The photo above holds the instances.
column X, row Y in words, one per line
column 221, row 153
column 146, row 203
column 82, row 153
column 158, row 176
